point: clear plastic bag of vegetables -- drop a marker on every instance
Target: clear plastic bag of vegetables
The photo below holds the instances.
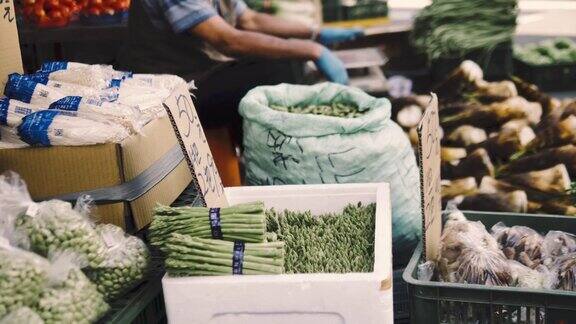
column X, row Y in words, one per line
column 519, row 243
column 563, row 273
column 22, row 315
column 70, row 297
column 51, row 225
column 557, row 243
column 22, row 276
column 125, row 264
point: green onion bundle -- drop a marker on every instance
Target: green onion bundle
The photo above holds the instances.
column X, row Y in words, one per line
column 245, row 222
column 454, row 28
column 334, row 109
column 191, row 256
column 331, row 243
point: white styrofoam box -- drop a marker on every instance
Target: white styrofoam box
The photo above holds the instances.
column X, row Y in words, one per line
column 322, row 298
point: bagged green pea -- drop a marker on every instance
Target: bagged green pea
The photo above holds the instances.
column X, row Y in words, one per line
column 125, row 264
column 70, row 297
column 22, row 276
column 22, row 315
column 51, row 225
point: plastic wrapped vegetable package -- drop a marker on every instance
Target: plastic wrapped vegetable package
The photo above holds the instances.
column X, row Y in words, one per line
column 519, row 243
column 22, row 277
column 70, row 296
column 51, row 225
column 125, row 264
column 22, row 315
column 294, row 148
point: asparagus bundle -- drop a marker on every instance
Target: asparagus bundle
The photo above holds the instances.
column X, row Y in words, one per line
column 332, row 243
column 192, row 256
column 245, row 222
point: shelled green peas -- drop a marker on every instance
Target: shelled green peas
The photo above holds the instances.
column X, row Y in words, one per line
column 334, row 109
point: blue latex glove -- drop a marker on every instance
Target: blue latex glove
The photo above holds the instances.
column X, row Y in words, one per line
column 331, row 67
column 329, row 36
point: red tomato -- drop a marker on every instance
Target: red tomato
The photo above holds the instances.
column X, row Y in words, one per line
column 95, row 11
column 67, row 2
column 95, row 3
column 39, row 12
column 108, row 11
column 28, row 11
column 29, row 2
column 55, row 14
column 122, row 5
column 52, row 4
column 66, row 11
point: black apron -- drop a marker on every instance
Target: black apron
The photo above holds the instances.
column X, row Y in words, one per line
column 153, row 50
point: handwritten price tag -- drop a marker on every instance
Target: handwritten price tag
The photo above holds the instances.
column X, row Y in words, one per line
column 429, row 152
column 10, row 60
column 192, row 139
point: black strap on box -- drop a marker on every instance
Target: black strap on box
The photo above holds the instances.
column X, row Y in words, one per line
column 135, row 188
column 238, row 257
column 215, row 228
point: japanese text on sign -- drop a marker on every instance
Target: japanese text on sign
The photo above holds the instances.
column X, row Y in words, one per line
column 10, row 60
column 196, row 151
column 429, row 154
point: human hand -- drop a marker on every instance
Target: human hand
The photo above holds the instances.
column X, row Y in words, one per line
column 329, row 36
column 331, row 67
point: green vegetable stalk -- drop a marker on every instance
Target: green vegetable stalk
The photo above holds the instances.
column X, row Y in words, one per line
column 334, row 109
column 125, row 264
column 56, row 226
column 191, row 256
column 245, row 222
column 331, row 243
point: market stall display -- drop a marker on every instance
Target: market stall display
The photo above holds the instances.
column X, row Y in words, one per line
column 87, row 263
column 50, row 13
column 550, row 64
column 290, row 147
column 312, row 294
column 508, row 147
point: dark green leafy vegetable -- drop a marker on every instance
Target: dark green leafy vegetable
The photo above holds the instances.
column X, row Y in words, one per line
column 331, row 243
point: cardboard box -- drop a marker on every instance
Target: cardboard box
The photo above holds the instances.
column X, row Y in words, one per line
column 325, row 298
column 56, row 171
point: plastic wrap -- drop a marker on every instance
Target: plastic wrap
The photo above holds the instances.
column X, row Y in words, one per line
column 525, row 277
column 26, row 90
column 70, row 296
column 22, row 277
column 426, row 270
column 50, row 225
column 519, row 243
column 22, row 315
column 125, row 264
column 557, row 243
column 563, row 272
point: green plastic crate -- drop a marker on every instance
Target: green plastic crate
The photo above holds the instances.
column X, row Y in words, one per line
column 440, row 302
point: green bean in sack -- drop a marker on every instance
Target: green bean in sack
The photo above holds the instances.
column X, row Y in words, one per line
column 329, row 133
column 125, row 264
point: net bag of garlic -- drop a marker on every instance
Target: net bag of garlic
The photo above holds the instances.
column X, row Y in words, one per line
column 329, row 133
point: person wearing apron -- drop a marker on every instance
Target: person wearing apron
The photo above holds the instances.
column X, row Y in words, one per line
column 226, row 48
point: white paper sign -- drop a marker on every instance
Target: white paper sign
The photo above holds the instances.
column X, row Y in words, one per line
column 196, row 151
column 429, row 154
